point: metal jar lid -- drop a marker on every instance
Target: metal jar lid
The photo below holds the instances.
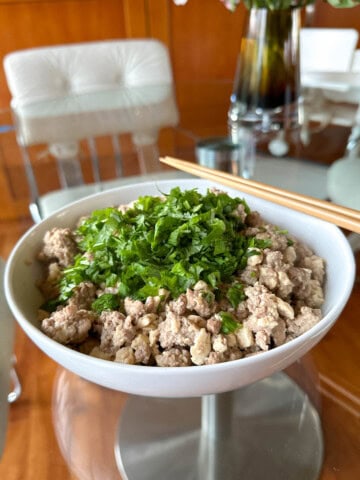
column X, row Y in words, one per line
column 216, row 152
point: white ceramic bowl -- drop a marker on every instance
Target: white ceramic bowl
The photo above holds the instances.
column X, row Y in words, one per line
column 23, row 297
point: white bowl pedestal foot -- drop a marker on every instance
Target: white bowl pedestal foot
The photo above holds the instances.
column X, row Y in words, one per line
column 268, row 429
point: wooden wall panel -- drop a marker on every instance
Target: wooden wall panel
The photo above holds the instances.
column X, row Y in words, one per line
column 327, row 16
column 32, row 24
column 159, row 20
column 135, row 16
column 205, row 39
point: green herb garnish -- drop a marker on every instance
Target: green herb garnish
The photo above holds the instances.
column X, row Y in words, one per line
column 208, row 296
column 107, row 301
column 228, row 323
column 284, row 232
column 235, row 294
column 51, row 305
column 170, row 242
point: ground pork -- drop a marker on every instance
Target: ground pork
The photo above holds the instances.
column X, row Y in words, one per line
column 60, row 245
column 68, row 325
column 174, row 357
column 283, row 293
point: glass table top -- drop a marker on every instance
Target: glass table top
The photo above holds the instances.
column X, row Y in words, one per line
column 77, row 422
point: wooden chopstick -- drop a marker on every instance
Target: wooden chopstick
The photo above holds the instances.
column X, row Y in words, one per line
column 251, row 184
column 344, row 217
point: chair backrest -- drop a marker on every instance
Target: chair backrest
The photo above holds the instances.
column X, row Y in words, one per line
column 64, row 94
column 328, row 61
column 327, row 49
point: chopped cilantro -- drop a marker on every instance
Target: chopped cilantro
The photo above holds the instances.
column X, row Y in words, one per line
column 51, row 305
column 208, row 296
column 228, row 323
column 168, row 242
column 107, row 301
column 284, row 232
column 235, row 294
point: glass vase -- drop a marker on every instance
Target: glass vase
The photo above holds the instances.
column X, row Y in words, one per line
column 267, row 81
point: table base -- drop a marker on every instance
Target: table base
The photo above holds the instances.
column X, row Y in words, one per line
column 269, row 429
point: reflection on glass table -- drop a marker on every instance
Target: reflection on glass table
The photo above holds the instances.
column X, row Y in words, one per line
column 40, row 124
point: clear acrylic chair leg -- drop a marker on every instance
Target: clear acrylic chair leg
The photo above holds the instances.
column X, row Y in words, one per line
column 244, row 165
column 148, row 158
column 15, row 383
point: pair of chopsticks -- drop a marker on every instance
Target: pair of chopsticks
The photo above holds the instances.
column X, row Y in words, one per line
column 344, row 217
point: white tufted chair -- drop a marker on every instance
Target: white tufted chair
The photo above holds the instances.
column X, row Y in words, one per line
column 327, row 64
column 67, row 93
